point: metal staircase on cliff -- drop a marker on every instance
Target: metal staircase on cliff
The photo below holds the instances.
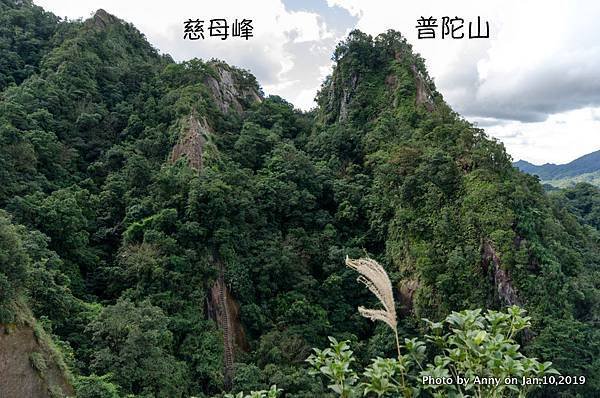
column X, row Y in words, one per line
column 228, row 349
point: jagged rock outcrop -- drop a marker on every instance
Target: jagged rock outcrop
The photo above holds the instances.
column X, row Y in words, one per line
column 101, row 19
column 229, row 92
column 339, row 95
column 502, row 280
column 192, row 142
column 232, row 91
column 345, row 100
column 423, row 94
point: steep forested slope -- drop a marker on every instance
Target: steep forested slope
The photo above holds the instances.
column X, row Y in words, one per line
column 26, row 35
column 181, row 234
column 459, row 223
column 583, row 200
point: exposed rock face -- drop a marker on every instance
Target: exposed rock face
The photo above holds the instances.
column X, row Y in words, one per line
column 502, row 279
column 28, row 367
column 346, row 94
column 407, row 290
column 229, row 93
column 347, row 89
column 191, row 142
column 102, row 19
column 424, row 96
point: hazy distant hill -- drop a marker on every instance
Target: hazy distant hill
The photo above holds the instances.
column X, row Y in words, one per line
column 583, row 169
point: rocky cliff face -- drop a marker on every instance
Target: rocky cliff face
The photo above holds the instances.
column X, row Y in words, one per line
column 230, row 89
column 29, row 365
column 191, row 143
column 501, row 278
column 423, row 95
column 101, row 19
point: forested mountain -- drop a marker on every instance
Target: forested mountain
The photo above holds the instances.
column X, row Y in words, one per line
column 583, row 200
column 583, row 169
column 167, row 231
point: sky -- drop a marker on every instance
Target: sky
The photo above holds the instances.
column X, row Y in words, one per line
column 534, row 84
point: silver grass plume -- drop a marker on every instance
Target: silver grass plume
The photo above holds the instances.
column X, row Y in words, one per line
column 374, row 277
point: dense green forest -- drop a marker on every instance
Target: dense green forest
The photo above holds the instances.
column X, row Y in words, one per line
column 167, row 231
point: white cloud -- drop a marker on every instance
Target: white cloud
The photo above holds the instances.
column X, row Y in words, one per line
column 559, row 139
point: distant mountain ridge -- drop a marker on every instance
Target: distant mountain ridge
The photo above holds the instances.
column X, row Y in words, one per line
column 586, row 164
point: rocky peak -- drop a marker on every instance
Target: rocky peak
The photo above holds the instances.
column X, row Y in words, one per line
column 231, row 88
column 102, row 19
column 384, row 67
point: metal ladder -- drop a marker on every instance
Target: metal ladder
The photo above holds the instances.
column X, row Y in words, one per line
column 227, row 338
